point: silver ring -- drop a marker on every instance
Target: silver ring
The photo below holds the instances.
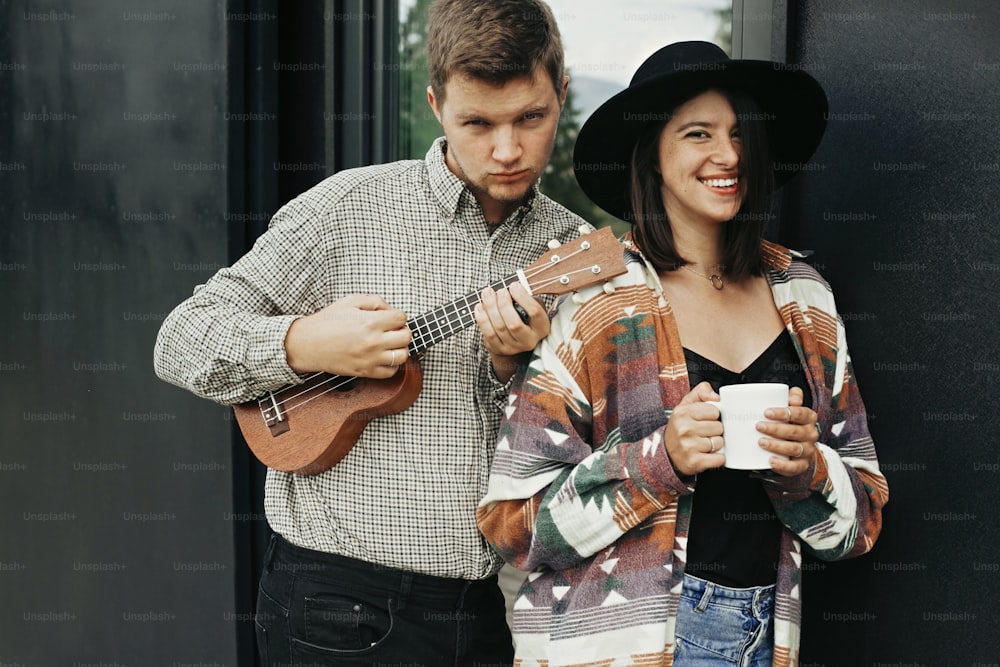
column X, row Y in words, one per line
column 789, row 420
column 802, row 450
column 393, row 361
column 711, row 440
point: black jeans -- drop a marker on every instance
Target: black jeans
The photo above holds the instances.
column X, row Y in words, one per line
column 317, row 609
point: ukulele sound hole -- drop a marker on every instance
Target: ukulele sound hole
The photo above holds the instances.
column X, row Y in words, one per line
column 346, row 385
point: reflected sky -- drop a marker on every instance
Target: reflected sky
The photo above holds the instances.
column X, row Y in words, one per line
column 611, row 42
column 605, row 44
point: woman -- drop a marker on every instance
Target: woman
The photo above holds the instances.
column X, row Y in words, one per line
column 608, row 485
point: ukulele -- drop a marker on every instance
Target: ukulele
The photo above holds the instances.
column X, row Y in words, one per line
column 308, row 428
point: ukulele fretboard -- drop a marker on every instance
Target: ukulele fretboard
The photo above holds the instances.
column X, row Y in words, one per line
column 444, row 321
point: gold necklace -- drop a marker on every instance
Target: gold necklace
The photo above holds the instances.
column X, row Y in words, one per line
column 715, row 278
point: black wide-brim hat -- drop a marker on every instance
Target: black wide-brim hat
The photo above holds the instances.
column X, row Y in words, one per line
column 792, row 103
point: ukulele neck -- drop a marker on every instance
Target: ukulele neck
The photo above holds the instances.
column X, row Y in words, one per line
column 444, row 321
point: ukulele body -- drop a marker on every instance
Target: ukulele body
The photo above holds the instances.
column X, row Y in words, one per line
column 307, row 428
column 321, row 425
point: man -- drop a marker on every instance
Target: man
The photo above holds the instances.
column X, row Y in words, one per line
column 379, row 560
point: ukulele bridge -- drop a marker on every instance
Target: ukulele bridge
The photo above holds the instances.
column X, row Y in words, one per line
column 271, row 412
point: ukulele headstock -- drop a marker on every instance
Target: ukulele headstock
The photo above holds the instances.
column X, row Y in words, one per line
column 593, row 257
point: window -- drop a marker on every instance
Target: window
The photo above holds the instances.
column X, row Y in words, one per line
column 604, row 46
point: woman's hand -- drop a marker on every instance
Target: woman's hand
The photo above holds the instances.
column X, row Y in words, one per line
column 794, row 435
column 694, row 433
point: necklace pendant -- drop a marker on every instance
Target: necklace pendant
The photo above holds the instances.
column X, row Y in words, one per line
column 715, row 278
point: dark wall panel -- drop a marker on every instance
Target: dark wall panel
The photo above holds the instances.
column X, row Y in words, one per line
column 900, row 204
column 141, row 149
column 115, row 489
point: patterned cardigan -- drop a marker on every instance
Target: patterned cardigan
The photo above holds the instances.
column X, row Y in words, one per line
column 583, row 496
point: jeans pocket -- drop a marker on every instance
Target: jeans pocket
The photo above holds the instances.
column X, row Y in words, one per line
column 271, row 627
column 261, row 633
column 712, row 632
column 342, row 625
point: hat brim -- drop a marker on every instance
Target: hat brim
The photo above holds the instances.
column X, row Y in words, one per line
column 792, row 104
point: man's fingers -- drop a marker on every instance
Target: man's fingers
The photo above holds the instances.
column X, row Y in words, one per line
column 531, row 306
column 365, row 302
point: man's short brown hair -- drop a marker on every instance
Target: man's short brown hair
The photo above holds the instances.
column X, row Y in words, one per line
column 492, row 40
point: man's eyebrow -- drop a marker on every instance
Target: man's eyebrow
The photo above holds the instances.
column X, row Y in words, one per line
column 474, row 115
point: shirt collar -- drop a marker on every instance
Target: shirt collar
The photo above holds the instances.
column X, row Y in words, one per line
column 446, row 186
column 451, row 193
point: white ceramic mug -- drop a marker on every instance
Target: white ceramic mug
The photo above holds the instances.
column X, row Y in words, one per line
column 742, row 407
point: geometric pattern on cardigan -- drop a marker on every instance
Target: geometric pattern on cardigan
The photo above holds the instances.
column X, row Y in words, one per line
column 583, row 496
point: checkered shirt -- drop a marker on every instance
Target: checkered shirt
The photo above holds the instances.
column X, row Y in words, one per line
column 412, row 233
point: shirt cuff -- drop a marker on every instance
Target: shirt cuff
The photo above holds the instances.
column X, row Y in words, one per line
column 800, row 486
column 663, row 477
column 266, row 353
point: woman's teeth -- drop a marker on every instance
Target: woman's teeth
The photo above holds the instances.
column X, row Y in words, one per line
column 720, row 182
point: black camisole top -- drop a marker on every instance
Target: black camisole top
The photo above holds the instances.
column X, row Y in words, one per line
column 735, row 536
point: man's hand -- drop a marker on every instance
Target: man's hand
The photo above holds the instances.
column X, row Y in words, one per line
column 505, row 335
column 358, row 336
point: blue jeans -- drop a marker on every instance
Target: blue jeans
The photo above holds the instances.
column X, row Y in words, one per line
column 316, row 609
column 717, row 625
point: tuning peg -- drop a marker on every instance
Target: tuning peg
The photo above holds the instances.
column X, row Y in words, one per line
column 609, row 288
column 553, row 244
column 585, row 229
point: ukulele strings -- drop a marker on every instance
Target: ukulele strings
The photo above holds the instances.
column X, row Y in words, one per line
column 465, row 318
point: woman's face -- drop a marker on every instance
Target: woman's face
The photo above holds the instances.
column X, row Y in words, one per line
column 699, row 157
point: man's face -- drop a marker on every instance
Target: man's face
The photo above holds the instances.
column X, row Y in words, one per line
column 499, row 137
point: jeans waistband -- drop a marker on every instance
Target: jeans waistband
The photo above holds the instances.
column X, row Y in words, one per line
column 758, row 599
column 300, row 561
